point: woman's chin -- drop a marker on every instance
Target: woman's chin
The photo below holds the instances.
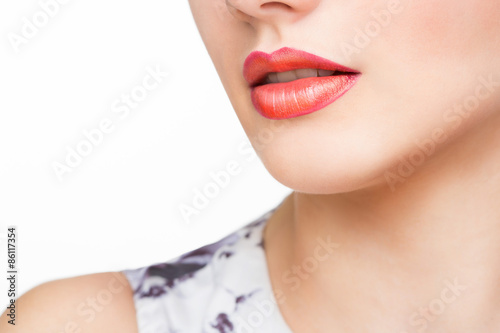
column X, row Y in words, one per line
column 315, row 179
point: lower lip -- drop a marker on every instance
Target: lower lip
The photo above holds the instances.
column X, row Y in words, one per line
column 300, row 97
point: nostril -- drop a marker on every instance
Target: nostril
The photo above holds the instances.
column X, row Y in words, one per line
column 275, row 5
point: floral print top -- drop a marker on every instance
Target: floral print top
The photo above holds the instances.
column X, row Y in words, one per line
column 219, row 288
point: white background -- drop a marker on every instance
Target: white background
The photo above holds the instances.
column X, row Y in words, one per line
column 120, row 207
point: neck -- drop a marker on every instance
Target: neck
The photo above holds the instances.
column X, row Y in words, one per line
column 427, row 250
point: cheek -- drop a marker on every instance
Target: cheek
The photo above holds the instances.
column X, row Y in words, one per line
column 433, row 53
column 226, row 40
column 446, row 29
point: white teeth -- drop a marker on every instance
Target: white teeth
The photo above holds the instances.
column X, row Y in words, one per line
column 322, row 72
column 272, row 78
column 302, row 73
column 306, row 72
column 287, row 76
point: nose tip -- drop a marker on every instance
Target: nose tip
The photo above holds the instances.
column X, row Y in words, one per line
column 266, row 10
column 294, row 5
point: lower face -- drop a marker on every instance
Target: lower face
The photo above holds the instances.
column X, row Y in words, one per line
column 425, row 70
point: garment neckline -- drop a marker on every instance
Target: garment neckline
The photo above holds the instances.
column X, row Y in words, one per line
column 267, row 274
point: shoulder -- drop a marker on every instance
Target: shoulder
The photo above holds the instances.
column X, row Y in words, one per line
column 202, row 289
column 90, row 303
column 213, row 257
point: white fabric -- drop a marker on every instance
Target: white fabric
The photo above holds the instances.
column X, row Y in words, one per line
column 220, row 288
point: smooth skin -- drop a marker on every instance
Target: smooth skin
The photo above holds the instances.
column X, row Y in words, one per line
column 76, row 305
column 403, row 172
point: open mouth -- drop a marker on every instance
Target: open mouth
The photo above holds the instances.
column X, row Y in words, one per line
column 289, row 83
column 304, row 73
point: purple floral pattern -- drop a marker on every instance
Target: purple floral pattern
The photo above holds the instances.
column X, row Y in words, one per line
column 222, row 287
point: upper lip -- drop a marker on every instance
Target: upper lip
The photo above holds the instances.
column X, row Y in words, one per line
column 259, row 64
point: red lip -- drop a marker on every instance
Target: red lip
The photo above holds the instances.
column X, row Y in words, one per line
column 298, row 97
